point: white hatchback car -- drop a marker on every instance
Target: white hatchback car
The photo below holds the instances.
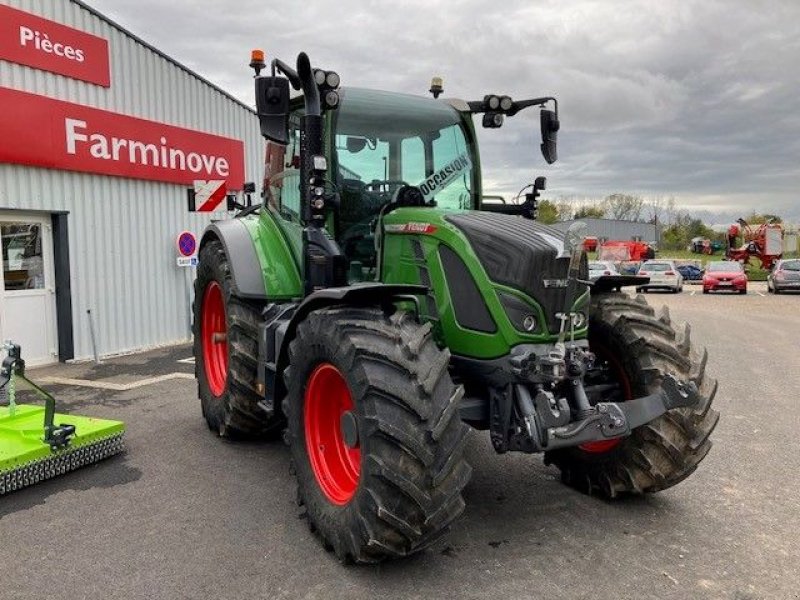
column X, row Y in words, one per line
column 663, row 276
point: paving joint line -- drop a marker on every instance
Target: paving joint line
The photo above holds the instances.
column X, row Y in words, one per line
column 117, row 387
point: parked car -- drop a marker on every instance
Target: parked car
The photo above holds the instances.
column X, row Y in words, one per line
column 785, row 275
column 598, row 268
column 726, row 275
column 690, row 272
column 663, row 276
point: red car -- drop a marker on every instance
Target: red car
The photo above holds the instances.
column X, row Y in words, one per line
column 725, row 275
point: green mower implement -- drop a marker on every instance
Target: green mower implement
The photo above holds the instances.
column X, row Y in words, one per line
column 374, row 309
column 33, row 447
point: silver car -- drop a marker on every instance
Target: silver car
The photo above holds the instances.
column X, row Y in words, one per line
column 784, row 276
column 663, row 276
column 599, row 268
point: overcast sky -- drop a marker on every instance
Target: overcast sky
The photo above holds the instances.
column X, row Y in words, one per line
column 697, row 100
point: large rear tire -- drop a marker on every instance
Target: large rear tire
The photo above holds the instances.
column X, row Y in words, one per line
column 639, row 348
column 225, row 330
column 374, row 431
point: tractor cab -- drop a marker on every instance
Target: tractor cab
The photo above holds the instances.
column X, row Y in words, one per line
column 377, row 142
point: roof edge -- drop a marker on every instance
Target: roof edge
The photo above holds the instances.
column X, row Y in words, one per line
column 163, row 55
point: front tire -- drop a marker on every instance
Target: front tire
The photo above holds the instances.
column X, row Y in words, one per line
column 641, row 348
column 377, row 443
column 225, row 330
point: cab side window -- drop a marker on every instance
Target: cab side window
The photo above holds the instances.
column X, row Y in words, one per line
column 282, row 176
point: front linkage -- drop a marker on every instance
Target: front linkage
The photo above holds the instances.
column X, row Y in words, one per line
column 545, row 421
column 529, row 417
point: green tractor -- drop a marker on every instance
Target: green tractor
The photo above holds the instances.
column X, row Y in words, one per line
column 375, row 309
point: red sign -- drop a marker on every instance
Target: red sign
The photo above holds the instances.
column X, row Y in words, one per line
column 44, row 132
column 208, row 195
column 36, row 42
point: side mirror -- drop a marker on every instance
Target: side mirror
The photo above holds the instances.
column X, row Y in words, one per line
column 272, row 105
column 550, row 125
column 355, row 144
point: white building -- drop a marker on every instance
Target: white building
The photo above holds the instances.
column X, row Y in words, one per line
column 615, row 229
column 101, row 135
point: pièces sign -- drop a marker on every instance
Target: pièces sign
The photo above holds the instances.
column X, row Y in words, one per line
column 36, row 42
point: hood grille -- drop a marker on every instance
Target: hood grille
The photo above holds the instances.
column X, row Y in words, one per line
column 521, row 254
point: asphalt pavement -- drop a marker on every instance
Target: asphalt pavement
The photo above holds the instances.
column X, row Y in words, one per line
column 184, row 514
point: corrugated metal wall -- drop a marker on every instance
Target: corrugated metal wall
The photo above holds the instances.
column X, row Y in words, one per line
column 122, row 231
column 613, row 229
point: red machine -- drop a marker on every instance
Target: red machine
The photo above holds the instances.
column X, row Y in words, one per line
column 626, row 251
column 765, row 242
column 590, row 243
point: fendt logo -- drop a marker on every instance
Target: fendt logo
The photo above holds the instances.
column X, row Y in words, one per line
column 39, row 43
column 56, row 134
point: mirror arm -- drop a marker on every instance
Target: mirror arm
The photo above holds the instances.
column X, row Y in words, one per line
column 478, row 106
column 522, row 104
column 290, row 73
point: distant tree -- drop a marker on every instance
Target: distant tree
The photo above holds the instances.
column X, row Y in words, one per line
column 659, row 210
column 757, row 218
column 548, row 212
column 679, row 234
column 564, row 210
column 587, row 211
column 625, row 207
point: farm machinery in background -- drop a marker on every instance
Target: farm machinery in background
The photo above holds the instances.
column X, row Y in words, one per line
column 700, row 245
column 764, row 242
column 627, row 255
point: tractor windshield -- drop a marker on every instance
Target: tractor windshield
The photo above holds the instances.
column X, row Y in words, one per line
column 385, row 140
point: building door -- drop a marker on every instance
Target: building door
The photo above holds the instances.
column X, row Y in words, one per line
column 27, row 290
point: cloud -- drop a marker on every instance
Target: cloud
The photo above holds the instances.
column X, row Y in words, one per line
column 696, row 99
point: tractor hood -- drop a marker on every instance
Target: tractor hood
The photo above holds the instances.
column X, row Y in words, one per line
column 521, row 254
column 497, row 269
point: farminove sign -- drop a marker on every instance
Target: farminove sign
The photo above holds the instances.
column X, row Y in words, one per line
column 36, row 42
column 61, row 135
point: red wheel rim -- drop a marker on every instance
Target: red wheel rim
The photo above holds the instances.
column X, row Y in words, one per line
column 336, row 466
column 618, row 372
column 213, row 331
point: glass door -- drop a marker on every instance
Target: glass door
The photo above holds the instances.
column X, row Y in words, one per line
column 27, row 297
